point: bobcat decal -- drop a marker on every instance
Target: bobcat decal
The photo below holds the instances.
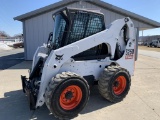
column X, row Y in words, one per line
column 59, row 57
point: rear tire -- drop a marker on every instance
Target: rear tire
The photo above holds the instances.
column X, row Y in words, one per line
column 66, row 95
column 114, row 83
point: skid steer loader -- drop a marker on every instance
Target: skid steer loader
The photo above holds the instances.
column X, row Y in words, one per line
column 80, row 52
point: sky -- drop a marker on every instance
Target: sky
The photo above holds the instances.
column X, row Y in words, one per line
column 12, row 8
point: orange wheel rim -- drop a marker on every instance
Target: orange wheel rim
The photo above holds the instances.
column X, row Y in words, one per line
column 70, row 97
column 119, row 85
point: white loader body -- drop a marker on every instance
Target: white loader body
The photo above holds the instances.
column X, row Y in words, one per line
column 60, row 60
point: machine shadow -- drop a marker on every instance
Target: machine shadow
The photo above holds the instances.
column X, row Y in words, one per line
column 14, row 106
column 96, row 101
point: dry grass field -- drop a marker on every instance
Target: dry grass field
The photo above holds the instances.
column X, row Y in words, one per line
column 149, row 48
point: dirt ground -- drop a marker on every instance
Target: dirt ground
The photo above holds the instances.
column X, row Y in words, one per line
column 149, row 48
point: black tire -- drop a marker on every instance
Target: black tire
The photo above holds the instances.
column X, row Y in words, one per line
column 107, row 80
column 55, row 89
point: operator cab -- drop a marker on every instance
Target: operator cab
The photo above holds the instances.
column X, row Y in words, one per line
column 71, row 25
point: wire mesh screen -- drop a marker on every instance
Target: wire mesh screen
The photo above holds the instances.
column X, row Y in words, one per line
column 94, row 25
column 84, row 25
column 78, row 28
column 59, row 30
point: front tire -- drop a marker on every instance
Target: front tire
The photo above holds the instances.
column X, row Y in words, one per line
column 66, row 95
column 114, row 83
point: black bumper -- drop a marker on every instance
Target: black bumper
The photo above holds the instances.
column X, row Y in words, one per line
column 24, row 82
column 26, row 86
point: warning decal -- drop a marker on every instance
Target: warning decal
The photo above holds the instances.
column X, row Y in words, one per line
column 129, row 53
